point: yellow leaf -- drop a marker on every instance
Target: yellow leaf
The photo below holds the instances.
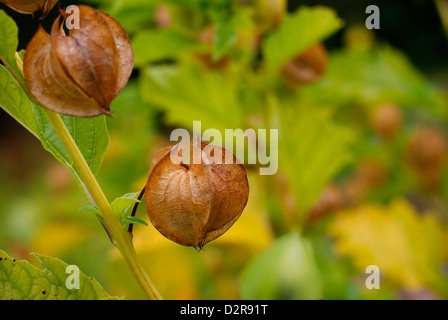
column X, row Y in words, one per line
column 57, row 237
column 408, row 247
column 250, row 230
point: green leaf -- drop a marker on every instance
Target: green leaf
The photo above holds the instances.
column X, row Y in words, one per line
column 284, row 271
column 225, row 37
column 297, row 32
column 90, row 134
column 121, row 205
column 16, row 103
column 320, row 149
column 93, row 209
column 136, row 220
column 226, row 30
column 12, row 98
column 19, row 280
column 153, row 45
column 9, row 42
column 91, row 137
column 188, row 94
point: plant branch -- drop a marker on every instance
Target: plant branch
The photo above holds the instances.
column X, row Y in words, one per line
column 121, row 238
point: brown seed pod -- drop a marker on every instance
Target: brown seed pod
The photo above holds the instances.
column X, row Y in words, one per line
column 386, row 120
column 427, row 154
column 80, row 73
column 306, row 67
column 193, row 204
column 30, row 6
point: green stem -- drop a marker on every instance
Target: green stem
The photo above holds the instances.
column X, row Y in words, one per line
column 121, row 238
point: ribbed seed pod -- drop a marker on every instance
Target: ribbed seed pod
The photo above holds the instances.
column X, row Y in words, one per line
column 80, row 73
column 193, row 204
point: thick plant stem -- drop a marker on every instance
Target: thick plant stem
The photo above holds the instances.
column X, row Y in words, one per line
column 119, row 235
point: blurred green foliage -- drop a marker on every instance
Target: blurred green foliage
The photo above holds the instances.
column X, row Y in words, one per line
column 309, row 231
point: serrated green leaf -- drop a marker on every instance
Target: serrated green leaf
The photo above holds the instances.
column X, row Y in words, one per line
column 188, row 94
column 91, row 137
column 284, row 271
column 90, row 134
column 297, row 32
column 136, row 220
column 19, row 280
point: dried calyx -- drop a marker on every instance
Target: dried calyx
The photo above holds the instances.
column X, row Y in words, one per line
column 193, row 204
column 79, row 73
column 31, row 6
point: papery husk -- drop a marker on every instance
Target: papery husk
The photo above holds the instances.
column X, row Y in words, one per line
column 196, row 203
column 80, row 73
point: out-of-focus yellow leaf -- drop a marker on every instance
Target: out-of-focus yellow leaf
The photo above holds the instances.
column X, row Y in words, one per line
column 409, row 248
column 250, row 230
column 116, row 149
column 57, row 237
column 173, row 272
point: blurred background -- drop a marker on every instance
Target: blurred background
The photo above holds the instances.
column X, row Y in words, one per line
column 362, row 118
